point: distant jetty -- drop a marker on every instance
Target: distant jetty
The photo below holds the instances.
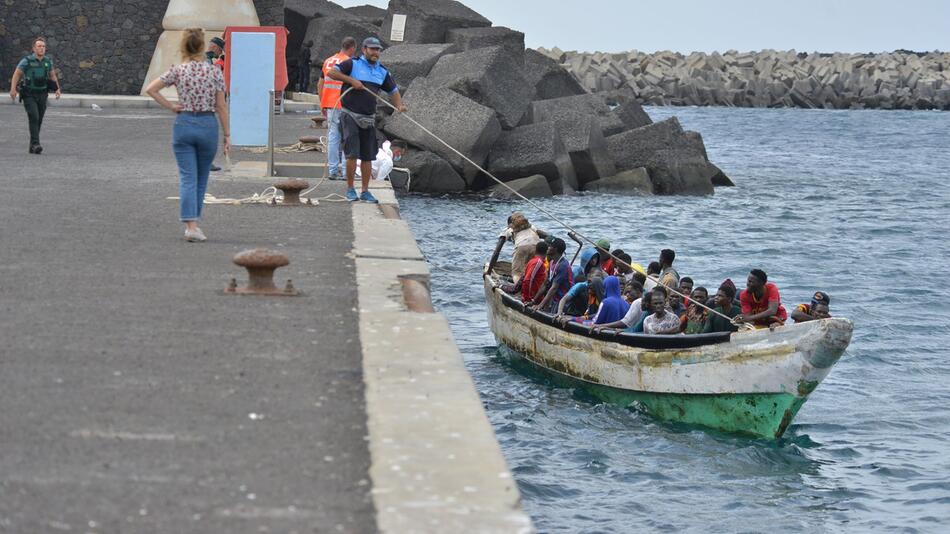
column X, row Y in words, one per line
column 768, row 79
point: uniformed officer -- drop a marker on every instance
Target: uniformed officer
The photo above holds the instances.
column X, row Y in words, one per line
column 32, row 80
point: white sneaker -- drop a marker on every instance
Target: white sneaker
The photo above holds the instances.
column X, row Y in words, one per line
column 195, row 236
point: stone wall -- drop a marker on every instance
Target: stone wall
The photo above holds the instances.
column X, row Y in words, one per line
column 98, row 46
column 769, row 78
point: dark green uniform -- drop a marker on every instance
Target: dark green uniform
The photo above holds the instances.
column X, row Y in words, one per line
column 34, row 91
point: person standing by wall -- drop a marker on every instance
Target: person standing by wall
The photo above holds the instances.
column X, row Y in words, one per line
column 32, row 80
column 195, row 134
column 366, row 76
column 303, row 68
column 330, row 91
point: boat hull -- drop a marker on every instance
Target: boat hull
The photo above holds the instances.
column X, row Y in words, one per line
column 754, row 383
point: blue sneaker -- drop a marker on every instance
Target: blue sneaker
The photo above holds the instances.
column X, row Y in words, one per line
column 351, row 194
column 366, row 196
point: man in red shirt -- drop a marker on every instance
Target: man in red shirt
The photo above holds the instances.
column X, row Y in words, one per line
column 760, row 302
column 535, row 273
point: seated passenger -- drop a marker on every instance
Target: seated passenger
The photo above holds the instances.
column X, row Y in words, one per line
column 675, row 304
column 694, row 321
column 663, row 320
column 622, row 268
column 591, row 260
column 760, row 302
column 639, row 308
column 686, row 288
column 581, row 301
column 632, row 291
column 613, row 307
column 653, row 274
column 668, row 275
column 603, row 246
column 538, row 265
column 535, row 273
column 818, row 309
column 558, row 281
column 646, row 309
column 726, row 305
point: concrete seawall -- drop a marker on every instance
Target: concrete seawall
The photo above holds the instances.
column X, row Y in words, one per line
column 140, row 397
column 769, row 78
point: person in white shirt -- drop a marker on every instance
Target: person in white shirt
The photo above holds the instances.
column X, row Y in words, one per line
column 663, row 320
column 388, row 155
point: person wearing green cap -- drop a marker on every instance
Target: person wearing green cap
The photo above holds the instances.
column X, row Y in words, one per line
column 607, row 262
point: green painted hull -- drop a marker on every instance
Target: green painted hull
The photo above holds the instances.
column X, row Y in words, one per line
column 763, row 415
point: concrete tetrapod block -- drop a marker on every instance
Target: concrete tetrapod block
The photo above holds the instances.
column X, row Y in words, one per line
column 570, row 107
column 633, row 182
column 427, row 21
column 406, row 62
column 464, row 124
column 535, row 186
column 582, row 135
column 489, row 76
column 375, row 15
column 532, row 149
column 430, row 173
column 297, row 17
column 327, row 33
column 549, row 78
column 677, row 162
column 472, row 38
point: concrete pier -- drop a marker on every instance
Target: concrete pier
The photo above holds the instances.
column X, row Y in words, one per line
column 138, row 397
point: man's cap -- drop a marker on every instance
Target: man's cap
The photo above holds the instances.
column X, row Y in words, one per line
column 218, row 41
column 821, row 298
column 603, row 243
column 372, row 42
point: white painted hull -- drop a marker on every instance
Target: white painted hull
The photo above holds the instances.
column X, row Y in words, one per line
column 792, row 359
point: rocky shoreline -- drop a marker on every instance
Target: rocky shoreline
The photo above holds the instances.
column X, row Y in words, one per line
column 768, row 79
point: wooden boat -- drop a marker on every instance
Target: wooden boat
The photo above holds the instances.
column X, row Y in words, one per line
column 750, row 382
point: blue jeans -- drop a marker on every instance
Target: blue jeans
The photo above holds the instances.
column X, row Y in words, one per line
column 195, row 142
column 334, row 140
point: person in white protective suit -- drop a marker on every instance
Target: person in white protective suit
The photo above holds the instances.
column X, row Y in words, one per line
column 388, row 155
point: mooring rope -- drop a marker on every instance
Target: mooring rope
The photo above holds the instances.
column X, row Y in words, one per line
column 634, row 266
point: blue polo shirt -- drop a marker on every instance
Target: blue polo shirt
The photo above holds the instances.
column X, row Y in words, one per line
column 374, row 76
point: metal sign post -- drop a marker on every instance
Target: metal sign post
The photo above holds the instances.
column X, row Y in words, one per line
column 270, row 134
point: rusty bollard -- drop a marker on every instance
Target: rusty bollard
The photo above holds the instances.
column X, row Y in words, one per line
column 261, row 264
column 291, row 189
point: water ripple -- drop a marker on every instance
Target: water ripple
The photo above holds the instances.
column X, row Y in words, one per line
column 853, row 203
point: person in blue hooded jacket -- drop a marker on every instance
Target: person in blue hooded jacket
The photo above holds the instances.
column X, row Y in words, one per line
column 613, row 307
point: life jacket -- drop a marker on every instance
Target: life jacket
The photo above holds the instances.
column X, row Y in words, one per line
column 36, row 74
column 332, row 89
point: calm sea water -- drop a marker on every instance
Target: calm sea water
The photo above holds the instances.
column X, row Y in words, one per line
column 855, row 203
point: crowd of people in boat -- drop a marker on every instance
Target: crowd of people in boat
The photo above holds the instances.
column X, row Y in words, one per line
column 607, row 293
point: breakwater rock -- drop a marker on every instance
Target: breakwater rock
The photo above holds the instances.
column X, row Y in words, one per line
column 769, row 78
column 514, row 112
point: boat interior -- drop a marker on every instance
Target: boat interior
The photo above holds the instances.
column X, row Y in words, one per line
column 501, row 273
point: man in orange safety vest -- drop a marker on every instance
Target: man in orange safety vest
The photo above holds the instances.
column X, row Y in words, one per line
column 330, row 93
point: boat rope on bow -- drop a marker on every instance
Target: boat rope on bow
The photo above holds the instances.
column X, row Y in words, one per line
column 635, row 266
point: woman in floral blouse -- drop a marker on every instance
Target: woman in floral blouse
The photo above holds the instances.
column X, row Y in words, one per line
column 195, row 134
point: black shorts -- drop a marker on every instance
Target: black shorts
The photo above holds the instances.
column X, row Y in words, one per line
column 358, row 143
